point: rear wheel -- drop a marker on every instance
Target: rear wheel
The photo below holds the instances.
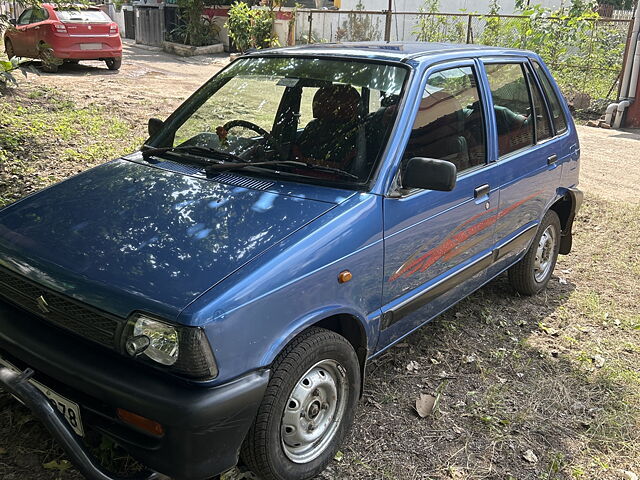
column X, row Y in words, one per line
column 8, row 49
column 531, row 274
column 113, row 63
column 307, row 409
column 50, row 63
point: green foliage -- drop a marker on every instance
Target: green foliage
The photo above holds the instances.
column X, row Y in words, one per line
column 6, row 77
column 358, row 28
column 251, row 28
column 583, row 52
column 432, row 27
column 197, row 30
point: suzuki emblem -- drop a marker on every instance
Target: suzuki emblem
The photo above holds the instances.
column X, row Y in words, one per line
column 42, row 304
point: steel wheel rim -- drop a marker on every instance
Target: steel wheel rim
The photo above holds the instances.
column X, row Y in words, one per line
column 544, row 254
column 314, row 411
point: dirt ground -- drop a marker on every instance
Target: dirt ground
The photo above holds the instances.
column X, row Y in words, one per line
column 546, row 387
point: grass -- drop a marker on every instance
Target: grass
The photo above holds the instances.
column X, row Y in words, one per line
column 44, row 138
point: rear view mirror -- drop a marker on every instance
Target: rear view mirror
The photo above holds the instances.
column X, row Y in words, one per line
column 13, row 22
column 429, row 174
column 155, row 124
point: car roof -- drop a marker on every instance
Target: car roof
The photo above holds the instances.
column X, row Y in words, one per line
column 398, row 51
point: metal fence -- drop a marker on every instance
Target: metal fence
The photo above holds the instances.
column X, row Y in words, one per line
column 585, row 56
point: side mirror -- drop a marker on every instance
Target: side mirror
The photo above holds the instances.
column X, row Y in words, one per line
column 13, row 22
column 155, row 124
column 429, row 174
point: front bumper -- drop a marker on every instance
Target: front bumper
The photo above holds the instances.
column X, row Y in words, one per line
column 203, row 426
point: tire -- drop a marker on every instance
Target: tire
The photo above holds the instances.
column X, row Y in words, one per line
column 307, row 409
column 114, row 63
column 8, row 49
column 531, row 274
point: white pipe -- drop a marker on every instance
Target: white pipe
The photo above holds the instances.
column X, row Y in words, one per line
column 624, row 90
column 635, row 71
column 621, row 108
column 608, row 117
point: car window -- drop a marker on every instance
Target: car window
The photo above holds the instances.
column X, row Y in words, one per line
column 250, row 99
column 83, row 16
column 559, row 120
column 39, row 15
column 25, row 18
column 512, row 106
column 541, row 114
column 449, row 124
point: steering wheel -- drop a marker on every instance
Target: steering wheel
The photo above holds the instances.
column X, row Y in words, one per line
column 267, row 137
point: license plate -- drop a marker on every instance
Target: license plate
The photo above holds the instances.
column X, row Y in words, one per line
column 90, row 46
column 69, row 410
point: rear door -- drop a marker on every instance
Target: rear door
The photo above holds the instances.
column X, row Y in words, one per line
column 36, row 30
column 438, row 244
column 529, row 158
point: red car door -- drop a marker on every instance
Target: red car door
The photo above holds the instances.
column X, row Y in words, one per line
column 18, row 36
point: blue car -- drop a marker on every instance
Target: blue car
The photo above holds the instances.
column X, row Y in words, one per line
column 216, row 296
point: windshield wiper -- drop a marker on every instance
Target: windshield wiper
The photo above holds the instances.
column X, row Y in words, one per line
column 310, row 166
column 198, row 150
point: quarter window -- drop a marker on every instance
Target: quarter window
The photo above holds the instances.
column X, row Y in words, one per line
column 512, row 106
column 449, row 124
column 558, row 118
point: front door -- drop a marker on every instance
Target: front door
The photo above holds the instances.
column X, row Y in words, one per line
column 438, row 244
column 19, row 36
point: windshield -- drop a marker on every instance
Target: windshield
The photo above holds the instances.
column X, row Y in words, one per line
column 327, row 120
column 83, row 16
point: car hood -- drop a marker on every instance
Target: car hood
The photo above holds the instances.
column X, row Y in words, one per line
column 127, row 236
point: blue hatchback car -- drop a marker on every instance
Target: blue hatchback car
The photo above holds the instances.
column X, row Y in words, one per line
column 218, row 294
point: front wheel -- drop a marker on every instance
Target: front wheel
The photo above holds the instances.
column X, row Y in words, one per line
column 307, row 410
column 114, row 63
column 531, row 274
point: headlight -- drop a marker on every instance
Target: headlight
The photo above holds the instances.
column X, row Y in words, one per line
column 163, row 346
column 183, row 350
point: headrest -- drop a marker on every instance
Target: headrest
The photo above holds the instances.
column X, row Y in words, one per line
column 438, row 106
column 336, row 102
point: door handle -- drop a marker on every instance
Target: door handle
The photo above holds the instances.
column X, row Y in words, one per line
column 551, row 159
column 481, row 191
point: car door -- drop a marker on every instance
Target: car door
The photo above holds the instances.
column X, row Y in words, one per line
column 19, row 35
column 437, row 245
column 529, row 158
column 36, row 30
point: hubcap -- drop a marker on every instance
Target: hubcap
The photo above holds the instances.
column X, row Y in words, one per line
column 313, row 411
column 544, row 254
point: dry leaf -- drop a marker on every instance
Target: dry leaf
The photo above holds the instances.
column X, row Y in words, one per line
column 627, row 475
column 424, row 404
column 413, row 366
column 530, row 457
column 598, row 361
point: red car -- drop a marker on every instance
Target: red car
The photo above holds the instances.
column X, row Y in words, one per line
column 65, row 34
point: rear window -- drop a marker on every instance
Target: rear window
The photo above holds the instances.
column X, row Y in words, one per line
column 83, row 16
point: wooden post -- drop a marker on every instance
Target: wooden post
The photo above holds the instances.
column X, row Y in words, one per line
column 469, row 29
column 387, row 23
column 310, row 24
